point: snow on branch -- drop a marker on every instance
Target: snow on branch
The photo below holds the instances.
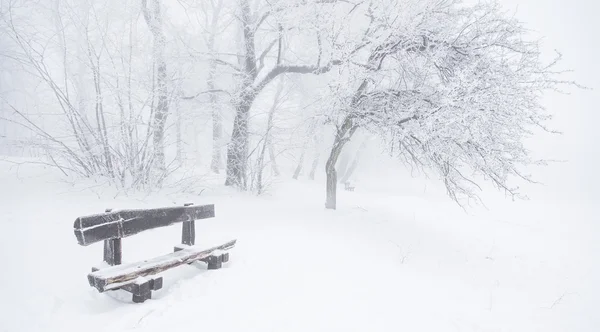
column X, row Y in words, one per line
column 457, row 87
column 291, row 69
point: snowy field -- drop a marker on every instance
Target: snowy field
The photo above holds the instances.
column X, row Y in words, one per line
column 381, row 262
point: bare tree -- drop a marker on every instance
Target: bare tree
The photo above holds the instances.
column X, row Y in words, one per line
column 97, row 118
column 306, row 145
column 153, row 18
column 214, row 30
column 256, row 73
column 267, row 141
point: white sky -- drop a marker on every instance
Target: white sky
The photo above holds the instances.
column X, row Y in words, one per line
column 572, row 28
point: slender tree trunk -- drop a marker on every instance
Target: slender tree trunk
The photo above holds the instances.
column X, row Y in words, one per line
column 267, row 143
column 160, row 120
column 317, row 138
column 154, row 21
column 354, row 164
column 343, row 135
column 300, row 163
column 314, row 165
column 237, row 151
column 260, row 166
column 273, row 159
column 331, row 186
column 179, row 132
column 216, row 162
column 269, row 134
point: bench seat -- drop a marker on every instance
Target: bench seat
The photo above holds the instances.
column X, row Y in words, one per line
column 117, row 276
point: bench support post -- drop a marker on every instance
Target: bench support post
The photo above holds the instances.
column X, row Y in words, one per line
column 215, row 262
column 112, row 251
column 143, row 291
column 188, row 233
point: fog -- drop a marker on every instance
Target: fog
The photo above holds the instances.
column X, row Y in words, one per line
column 570, row 28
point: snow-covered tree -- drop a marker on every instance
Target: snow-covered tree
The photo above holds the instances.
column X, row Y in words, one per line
column 264, row 32
column 154, row 18
column 456, row 86
column 100, row 94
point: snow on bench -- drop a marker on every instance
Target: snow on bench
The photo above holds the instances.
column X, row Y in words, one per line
column 111, row 227
column 117, row 276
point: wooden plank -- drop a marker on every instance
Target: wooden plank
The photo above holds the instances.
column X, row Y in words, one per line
column 140, row 287
column 224, row 255
column 124, row 223
column 121, row 275
column 137, row 286
column 112, row 251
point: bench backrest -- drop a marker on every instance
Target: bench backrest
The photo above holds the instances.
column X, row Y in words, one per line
column 119, row 224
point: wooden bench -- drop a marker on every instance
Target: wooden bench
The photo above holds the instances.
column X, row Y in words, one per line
column 348, row 186
column 140, row 278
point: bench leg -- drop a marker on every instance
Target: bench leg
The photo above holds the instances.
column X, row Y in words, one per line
column 225, row 257
column 215, row 262
column 112, row 251
column 142, row 297
column 140, row 291
column 212, row 261
column 157, row 283
column 188, row 233
column 143, row 291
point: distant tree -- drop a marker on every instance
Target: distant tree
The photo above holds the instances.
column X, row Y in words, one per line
column 262, row 62
column 456, row 87
column 154, row 18
column 100, row 97
column 213, row 31
column 266, row 143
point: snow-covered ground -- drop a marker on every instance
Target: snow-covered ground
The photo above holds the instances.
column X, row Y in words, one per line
column 381, row 262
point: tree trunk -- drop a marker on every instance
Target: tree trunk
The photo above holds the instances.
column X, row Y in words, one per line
column 237, row 151
column 331, row 187
column 317, row 138
column 216, row 163
column 331, row 202
column 154, row 20
column 273, row 159
column 299, row 167
column 314, row 165
column 179, row 136
column 217, row 128
column 248, row 90
column 343, row 135
column 354, row 164
column 259, row 169
column 269, row 137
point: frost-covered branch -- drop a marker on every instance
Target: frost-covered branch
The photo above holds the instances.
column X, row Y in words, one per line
column 456, row 86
